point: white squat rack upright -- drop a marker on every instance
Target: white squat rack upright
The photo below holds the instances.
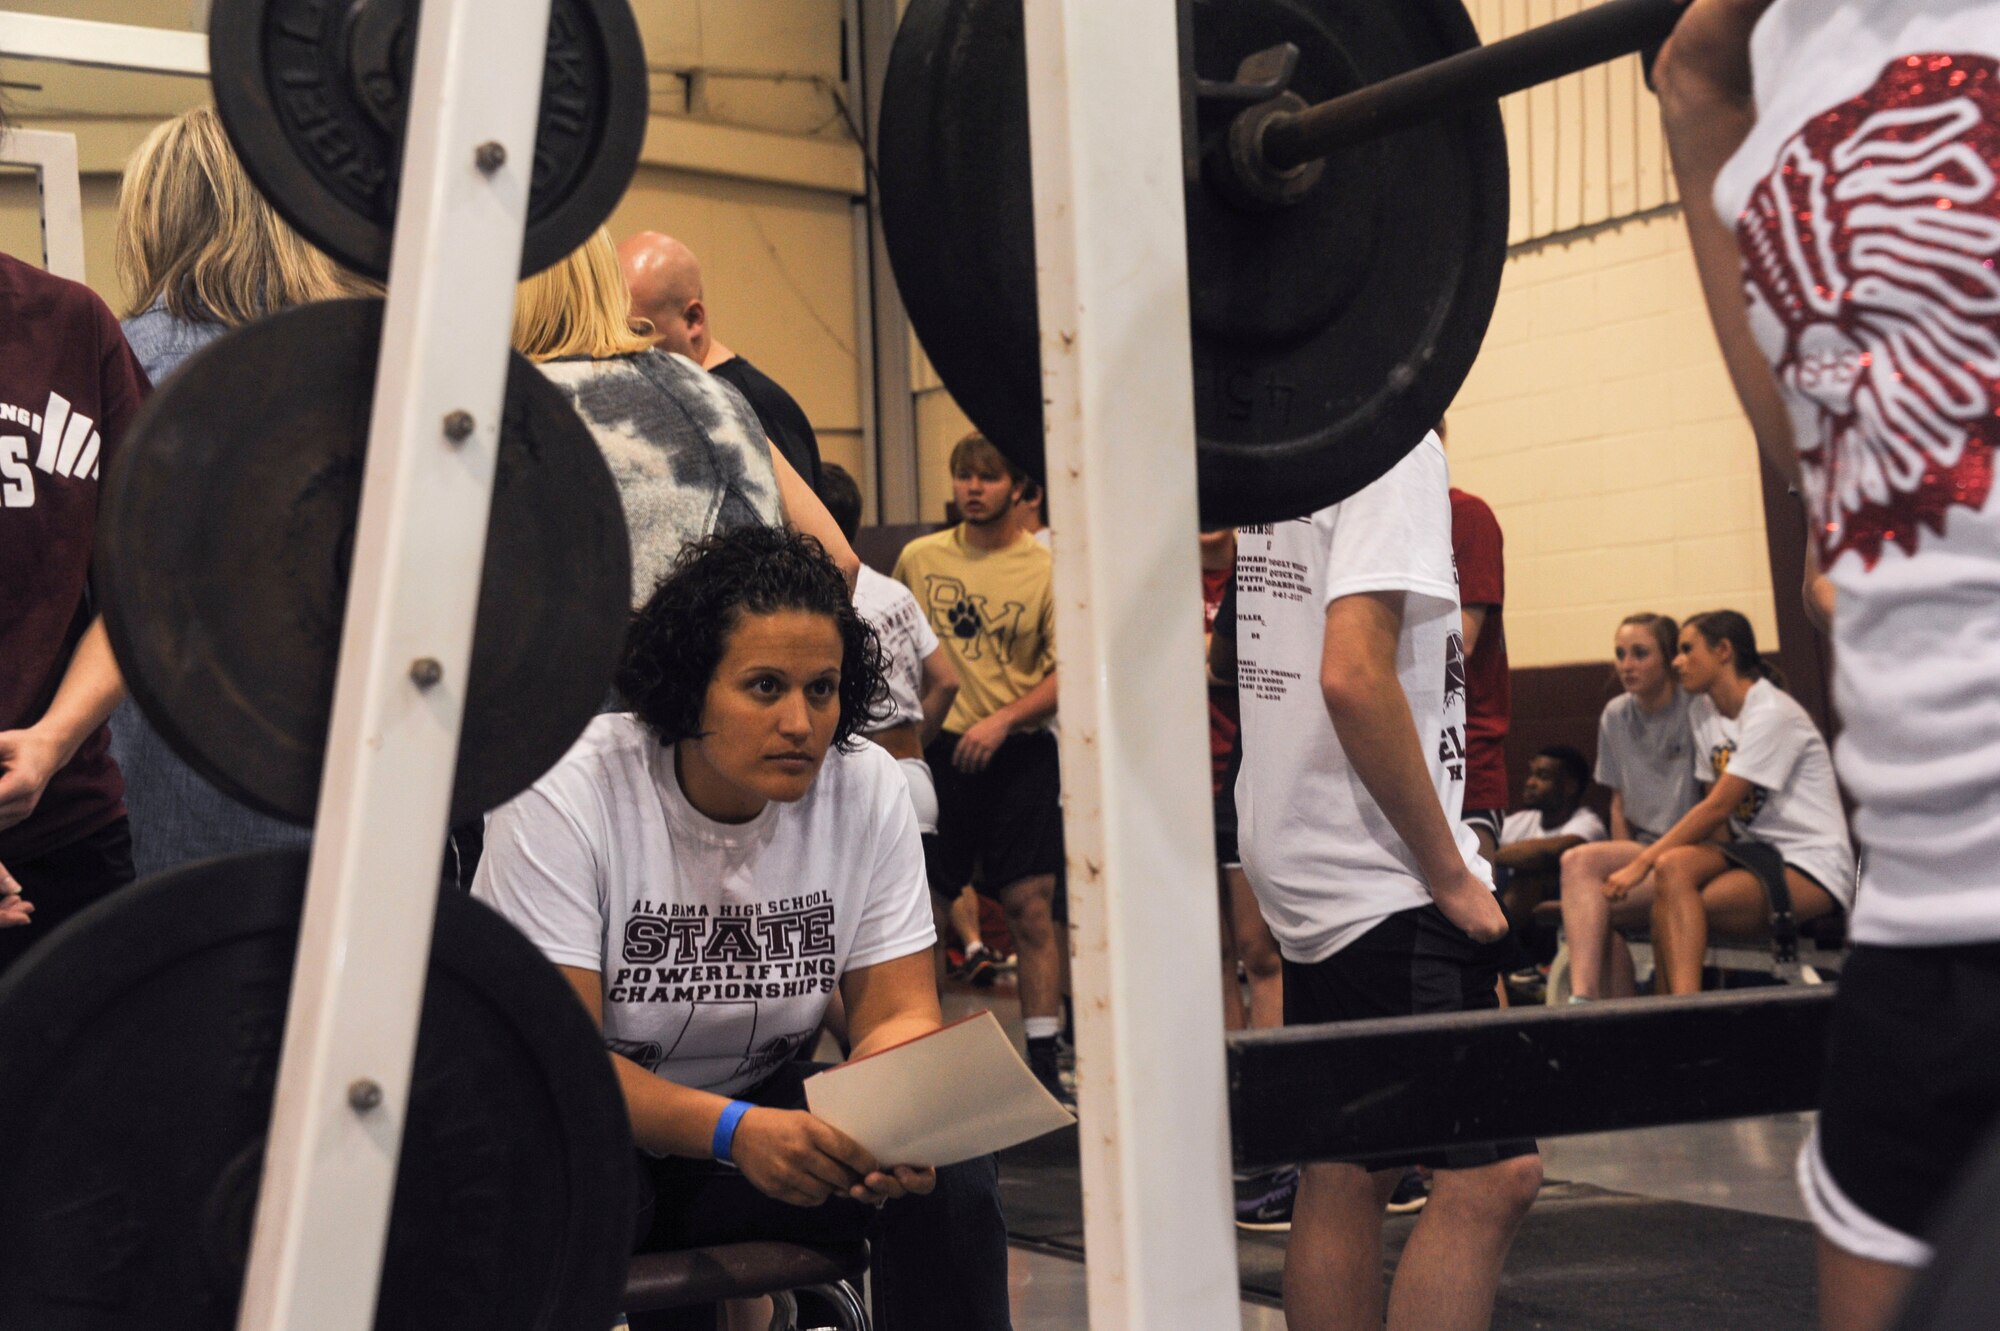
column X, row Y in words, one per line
column 1117, row 378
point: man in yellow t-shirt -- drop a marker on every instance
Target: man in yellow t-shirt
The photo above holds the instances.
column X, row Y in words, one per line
column 986, row 587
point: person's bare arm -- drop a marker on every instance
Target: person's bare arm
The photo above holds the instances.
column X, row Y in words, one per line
column 30, row 757
column 804, row 513
column 940, row 691
column 785, row 1153
column 888, row 1004
column 1221, row 658
column 1543, row 853
column 1372, row 719
column 1817, row 593
column 1699, row 824
column 1703, row 75
column 1621, row 830
column 983, row 738
column 1471, row 619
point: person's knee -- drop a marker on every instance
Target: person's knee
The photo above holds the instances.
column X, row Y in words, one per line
column 1580, row 864
column 1678, row 871
column 1498, row 1193
column 1030, row 907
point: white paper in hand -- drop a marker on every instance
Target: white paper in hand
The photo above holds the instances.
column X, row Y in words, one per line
column 960, row 1091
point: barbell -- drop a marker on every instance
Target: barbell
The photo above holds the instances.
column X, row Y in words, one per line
column 1347, row 208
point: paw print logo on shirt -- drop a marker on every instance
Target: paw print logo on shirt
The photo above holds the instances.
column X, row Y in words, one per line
column 964, row 620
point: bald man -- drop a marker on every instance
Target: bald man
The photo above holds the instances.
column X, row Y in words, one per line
column 665, row 280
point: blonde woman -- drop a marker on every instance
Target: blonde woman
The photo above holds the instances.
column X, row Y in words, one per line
column 685, row 447
column 199, row 249
column 201, row 253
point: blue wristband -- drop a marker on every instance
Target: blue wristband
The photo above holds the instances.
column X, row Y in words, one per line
column 725, row 1129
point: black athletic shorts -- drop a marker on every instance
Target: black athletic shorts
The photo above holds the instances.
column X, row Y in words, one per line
column 1912, row 1087
column 1001, row 825
column 1416, row 961
column 1766, row 863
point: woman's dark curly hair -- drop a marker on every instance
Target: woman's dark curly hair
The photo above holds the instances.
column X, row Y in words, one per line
column 677, row 640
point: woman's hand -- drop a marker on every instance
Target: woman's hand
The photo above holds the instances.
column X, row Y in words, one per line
column 886, row 1185
column 1620, row 884
column 15, row 909
column 792, row 1156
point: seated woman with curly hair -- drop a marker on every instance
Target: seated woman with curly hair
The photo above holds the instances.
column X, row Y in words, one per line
column 706, row 870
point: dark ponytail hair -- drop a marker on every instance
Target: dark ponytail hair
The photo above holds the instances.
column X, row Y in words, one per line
column 1720, row 626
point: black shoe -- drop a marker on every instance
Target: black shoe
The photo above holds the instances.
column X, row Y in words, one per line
column 977, row 970
column 1045, row 1063
column 1271, row 1212
column 1412, row 1191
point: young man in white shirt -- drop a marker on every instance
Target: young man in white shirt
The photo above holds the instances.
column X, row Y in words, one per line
column 1351, row 673
column 1552, row 819
column 1838, row 162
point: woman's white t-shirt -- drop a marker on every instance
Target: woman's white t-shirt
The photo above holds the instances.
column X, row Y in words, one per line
column 719, row 944
column 1325, row 862
column 1866, row 202
column 1795, row 805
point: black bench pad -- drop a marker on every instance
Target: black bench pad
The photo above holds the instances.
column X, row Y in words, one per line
column 695, row 1276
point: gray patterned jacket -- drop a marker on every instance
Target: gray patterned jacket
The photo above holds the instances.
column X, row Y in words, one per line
column 686, row 450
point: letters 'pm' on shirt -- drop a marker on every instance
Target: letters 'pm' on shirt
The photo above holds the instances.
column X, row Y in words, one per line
column 994, row 610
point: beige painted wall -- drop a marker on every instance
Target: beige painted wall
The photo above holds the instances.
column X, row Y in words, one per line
column 1600, row 425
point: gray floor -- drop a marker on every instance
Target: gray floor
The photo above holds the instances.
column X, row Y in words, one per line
column 1745, row 1165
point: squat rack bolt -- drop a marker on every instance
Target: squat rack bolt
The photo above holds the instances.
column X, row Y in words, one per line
column 458, row 426
column 425, row 672
column 489, row 157
column 364, row 1095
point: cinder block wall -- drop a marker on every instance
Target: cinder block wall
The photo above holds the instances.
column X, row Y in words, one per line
column 1600, row 424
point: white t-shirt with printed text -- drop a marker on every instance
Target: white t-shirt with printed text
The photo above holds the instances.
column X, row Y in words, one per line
column 1774, row 745
column 1866, row 203
column 1526, row 825
column 907, row 642
column 1325, row 862
column 719, row 944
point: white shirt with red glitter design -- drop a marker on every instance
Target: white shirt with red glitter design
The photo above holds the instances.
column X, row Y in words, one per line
column 1867, row 206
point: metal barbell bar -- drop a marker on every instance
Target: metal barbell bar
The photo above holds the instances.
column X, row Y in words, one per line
column 1290, row 139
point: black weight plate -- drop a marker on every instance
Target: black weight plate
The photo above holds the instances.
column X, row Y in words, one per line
column 1327, row 336
column 140, row 1045
column 314, row 96
column 225, row 536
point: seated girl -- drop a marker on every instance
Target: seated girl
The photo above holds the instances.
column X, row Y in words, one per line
column 1644, row 744
column 1770, row 782
column 706, row 870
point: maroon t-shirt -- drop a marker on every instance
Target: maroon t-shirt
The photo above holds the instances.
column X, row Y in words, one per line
column 68, row 388
column 1476, row 544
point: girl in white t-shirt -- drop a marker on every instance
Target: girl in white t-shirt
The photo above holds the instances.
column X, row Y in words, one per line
column 706, row 871
column 1770, row 782
column 1643, row 742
